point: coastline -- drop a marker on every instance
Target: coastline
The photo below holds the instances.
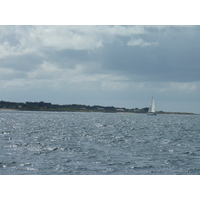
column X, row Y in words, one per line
column 43, row 106
column 8, row 109
column 49, row 110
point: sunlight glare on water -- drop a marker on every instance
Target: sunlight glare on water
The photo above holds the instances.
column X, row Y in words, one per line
column 98, row 143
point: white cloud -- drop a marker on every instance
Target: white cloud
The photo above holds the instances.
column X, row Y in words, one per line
column 7, row 50
column 6, row 73
column 113, row 85
column 96, row 61
column 186, row 87
column 13, row 84
column 31, row 39
column 50, row 73
column 46, row 70
column 120, row 30
column 140, row 42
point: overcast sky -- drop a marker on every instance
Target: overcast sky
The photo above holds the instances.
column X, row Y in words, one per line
column 122, row 66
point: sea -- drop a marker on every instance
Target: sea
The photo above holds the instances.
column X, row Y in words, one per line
column 95, row 143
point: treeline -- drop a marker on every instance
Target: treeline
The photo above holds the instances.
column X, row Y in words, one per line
column 43, row 106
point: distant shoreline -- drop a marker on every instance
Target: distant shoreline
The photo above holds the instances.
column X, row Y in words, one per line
column 43, row 106
column 8, row 109
column 165, row 113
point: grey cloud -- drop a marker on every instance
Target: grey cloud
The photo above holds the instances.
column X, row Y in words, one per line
column 113, row 65
column 175, row 58
column 68, row 58
column 21, row 63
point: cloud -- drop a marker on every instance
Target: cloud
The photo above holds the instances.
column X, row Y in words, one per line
column 168, row 53
column 102, row 61
column 140, row 42
column 6, row 73
column 33, row 38
column 46, row 70
column 7, row 50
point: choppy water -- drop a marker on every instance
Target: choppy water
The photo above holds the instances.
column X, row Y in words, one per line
column 98, row 143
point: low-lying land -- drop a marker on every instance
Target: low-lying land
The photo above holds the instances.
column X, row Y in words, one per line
column 43, row 106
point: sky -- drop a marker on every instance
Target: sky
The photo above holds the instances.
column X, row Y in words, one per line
column 120, row 65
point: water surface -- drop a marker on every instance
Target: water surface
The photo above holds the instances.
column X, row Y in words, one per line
column 78, row 143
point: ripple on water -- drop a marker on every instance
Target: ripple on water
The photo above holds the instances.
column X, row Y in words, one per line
column 98, row 143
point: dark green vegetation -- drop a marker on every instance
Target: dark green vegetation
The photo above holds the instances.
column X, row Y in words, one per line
column 43, row 106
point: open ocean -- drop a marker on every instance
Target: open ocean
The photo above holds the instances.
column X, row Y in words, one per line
column 80, row 143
